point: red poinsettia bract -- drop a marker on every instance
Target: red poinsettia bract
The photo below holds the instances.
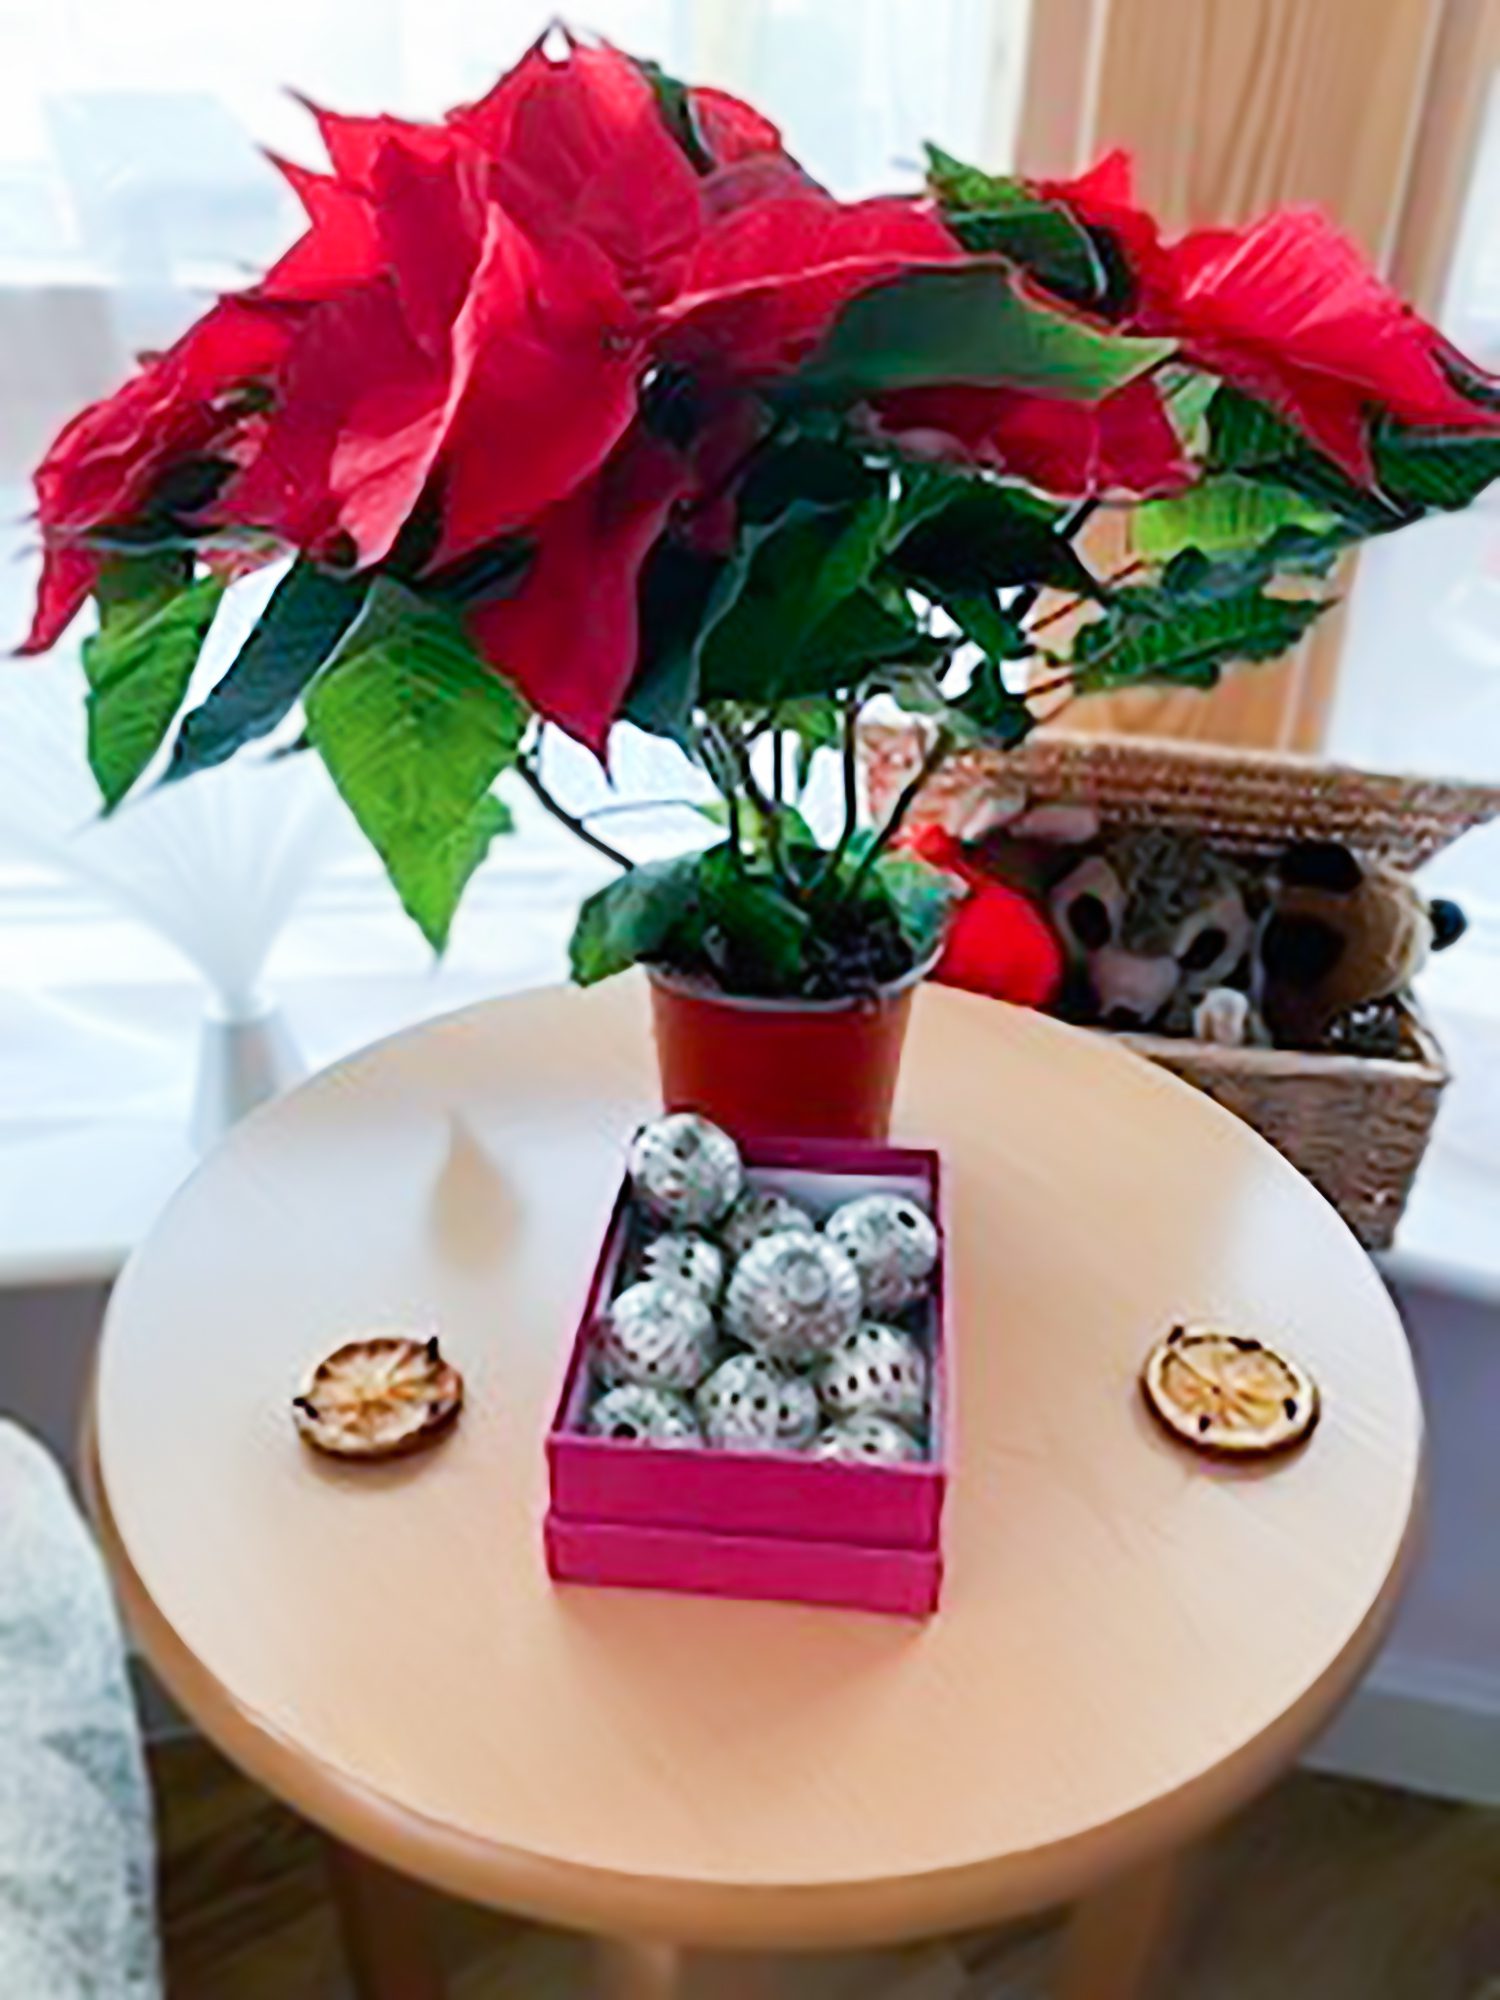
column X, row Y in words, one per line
column 1286, row 309
column 465, row 345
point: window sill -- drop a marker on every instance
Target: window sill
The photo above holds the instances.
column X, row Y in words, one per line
column 94, row 1114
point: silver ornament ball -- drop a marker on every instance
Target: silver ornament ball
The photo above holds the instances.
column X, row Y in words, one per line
column 689, row 1258
column 893, row 1244
column 684, row 1170
column 876, row 1371
column 793, row 1297
column 761, row 1212
column 637, row 1413
column 660, row 1332
column 868, row 1440
column 749, row 1404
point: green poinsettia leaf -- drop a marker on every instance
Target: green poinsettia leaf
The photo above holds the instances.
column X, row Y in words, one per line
column 808, row 470
column 675, row 105
column 138, row 666
column 990, row 711
column 753, row 935
column 309, row 612
column 817, row 722
column 677, row 590
column 1245, row 437
column 415, row 729
column 1222, row 515
column 496, row 570
column 134, row 583
column 922, row 897
column 987, row 624
column 634, row 918
column 1149, row 637
column 1288, row 551
column 794, row 613
column 966, row 323
column 860, row 637
column 976, row 536
column 997, row 214
column 1416, row 471
column 1248, row 437
column 1436, row 471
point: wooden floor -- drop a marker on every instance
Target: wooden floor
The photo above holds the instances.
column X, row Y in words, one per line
column 1327, row 1890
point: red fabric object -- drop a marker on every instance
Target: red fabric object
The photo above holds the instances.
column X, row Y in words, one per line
column 568, row 637
column 1126, row 444
column 999, row 943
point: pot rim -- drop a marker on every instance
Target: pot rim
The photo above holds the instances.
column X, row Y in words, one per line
column 694, row 986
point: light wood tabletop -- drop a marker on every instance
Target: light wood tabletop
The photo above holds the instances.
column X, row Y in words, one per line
column 1132, row 1640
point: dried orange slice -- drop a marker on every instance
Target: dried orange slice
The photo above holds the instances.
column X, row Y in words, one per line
column 378, row 1398
column 1229, row 1393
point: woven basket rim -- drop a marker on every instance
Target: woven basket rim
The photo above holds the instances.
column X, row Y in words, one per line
column 1425, row 1066
column 1250, row 800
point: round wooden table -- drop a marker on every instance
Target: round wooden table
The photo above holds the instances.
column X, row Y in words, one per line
column 1132, row 1640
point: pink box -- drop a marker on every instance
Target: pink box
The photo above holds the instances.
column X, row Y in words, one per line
column 754, row 1524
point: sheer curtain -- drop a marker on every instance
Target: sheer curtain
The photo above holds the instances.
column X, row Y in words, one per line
column 1419, row 689
column 132, row 188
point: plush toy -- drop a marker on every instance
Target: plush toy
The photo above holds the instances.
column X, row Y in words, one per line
column 1153, row 921
column 1341, row 933
column 1226, row 1016
column 1000, row 942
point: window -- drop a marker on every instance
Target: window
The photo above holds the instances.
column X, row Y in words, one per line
column 1419, row 689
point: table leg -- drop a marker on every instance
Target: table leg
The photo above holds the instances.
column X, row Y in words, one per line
column 1118, row 1939
column 383, row 1919
column 631, row 1970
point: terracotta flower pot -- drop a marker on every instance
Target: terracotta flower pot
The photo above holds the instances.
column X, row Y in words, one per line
column 788, row 1068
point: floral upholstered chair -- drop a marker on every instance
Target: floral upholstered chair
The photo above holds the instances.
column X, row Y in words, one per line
column 77, row 1899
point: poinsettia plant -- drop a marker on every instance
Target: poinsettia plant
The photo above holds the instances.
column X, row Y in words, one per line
column 587, row 403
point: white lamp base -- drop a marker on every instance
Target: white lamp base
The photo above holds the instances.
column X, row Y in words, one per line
column 241, row 1063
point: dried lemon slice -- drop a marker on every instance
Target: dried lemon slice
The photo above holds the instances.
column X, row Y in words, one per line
column 378, row 1398
column 1225, row 1392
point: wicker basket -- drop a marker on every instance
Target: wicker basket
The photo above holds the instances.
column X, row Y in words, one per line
column 1355, row 1125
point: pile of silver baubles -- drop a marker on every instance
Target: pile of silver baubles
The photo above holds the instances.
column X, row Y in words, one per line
column 742, row 1325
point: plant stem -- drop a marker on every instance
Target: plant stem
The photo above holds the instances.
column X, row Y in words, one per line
column 830, row 872
column 720, row 766
column 618, row 806
column 1056, row 684
column 1070, row 525
column 529, row 777
column 937, row 752
column 1111, row 582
